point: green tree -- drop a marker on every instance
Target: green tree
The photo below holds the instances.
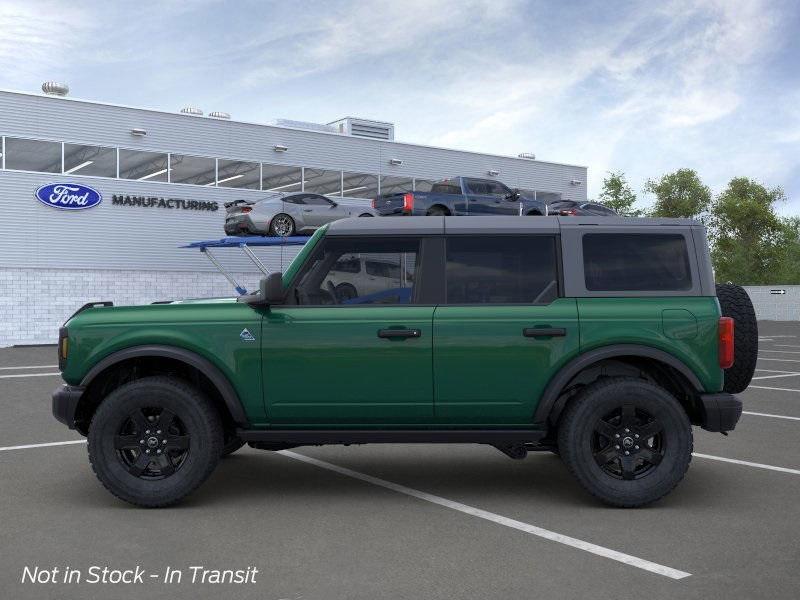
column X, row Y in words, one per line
column 618, row 195
column 749, row 239
column 679, row 195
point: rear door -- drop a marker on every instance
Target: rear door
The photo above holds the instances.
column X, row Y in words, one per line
column 352, row 350
column 504, row 329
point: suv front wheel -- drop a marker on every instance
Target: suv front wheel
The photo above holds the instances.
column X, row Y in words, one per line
column 627, row 441
column 154, row 440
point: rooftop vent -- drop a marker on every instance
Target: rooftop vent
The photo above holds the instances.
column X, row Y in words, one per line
column 53, row 88
column 303, row 125
column 219, row 115
column 527, row 155
column 376, row 130
column 192, row 110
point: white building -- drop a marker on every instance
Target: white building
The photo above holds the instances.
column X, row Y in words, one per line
column 182, row 167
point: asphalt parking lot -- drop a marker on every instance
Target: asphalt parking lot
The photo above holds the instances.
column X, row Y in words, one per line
column 418, row 521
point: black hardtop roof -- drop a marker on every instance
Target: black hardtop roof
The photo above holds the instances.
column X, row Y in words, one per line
column 491, row 225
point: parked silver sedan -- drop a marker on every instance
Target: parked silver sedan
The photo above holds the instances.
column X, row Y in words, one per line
column 288, row 214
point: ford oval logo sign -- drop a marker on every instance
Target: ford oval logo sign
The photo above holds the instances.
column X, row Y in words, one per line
column 68, row 196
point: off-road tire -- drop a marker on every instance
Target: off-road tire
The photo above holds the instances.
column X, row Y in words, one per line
column 578, row 427
column 734, row 302
column 198, row 418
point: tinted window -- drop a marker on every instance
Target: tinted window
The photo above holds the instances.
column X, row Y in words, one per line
column 478, row 187
column 238, row 174
column 446, row 187
column 359, row 185
column 33, row 155
column 501, row 270
column 334, row 275
column 143, row 166
column 323, row 182
column 394, row 185
column 424, row 185
column 636, row 262
column 317, row 200
column 279, row 178
column 197, row 170
column 90, row 160
column 299, row 199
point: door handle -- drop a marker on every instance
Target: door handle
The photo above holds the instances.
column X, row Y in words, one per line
column 544, row 332
column 391, row 334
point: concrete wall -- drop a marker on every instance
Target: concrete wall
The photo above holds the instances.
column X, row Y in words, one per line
column 771, row 306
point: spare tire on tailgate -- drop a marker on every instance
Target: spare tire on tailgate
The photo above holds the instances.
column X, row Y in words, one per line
column 735, row 303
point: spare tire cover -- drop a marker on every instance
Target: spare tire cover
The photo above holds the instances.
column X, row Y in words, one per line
column 735, row 303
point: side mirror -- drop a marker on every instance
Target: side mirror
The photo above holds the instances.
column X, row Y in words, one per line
column 514, row 195
column 334, row 204
column 270, row 291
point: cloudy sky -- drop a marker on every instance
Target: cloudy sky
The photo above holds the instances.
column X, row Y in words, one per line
column 642, row 87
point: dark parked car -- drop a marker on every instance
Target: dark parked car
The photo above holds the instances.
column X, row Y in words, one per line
column 571, row 208
column 461, row 196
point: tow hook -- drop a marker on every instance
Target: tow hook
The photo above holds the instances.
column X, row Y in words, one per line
column 515, row 451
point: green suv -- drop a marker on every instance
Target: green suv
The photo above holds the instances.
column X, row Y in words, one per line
column 601, row 339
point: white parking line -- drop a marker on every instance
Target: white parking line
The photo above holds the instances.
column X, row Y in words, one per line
column 758, row 414
column 747, row 463
column 763, row 387
column 495, row 518
column 779, row 359
column 787, row 374
column 787, row 346
column 774, row 371
column 29, row 367
column 782, row 351
column 48, row 444
column 28, row 375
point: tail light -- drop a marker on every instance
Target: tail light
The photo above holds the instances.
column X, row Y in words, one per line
column 726, row 349
column 568, row 213
column 246, row 209
column 374, row 201
column 408, row 202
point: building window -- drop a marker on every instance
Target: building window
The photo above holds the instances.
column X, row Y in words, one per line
column 280, row 178
column 423, row 185
column 143, row 166
column 196, row 170
column 325, row 182
column 396, row 185
column 359, row 185
column 33, row 155
column 238, row 174
column 90, row 160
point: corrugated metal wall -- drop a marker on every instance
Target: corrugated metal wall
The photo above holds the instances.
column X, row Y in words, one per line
column 124, row 237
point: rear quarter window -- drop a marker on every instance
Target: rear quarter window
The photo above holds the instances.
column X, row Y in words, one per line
column 615, row 262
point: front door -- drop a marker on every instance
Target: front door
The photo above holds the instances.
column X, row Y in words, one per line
column 354, row 348
column 319, row 210
column 503, row 331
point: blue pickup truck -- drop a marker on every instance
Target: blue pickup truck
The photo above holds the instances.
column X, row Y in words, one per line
column 461, row 196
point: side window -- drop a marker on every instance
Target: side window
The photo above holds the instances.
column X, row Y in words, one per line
column 446, row 187
column 636, row 262
column 497, row 189
column 475, row 186
column 298, row 199
column 334, row 274
column 315, row 200
column 501, row 270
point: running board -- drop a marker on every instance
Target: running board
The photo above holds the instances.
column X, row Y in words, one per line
column 311, row 437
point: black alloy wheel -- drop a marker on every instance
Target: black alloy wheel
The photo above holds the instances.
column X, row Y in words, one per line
column 152, row 443
column 628, row 443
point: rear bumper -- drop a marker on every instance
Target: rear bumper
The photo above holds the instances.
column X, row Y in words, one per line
column 720, row 412
column 65, row 404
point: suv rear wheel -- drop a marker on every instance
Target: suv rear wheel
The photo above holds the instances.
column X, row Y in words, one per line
column 154, row 440
column 627, row 441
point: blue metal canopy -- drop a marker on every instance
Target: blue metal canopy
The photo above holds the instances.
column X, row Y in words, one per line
column 252, row 240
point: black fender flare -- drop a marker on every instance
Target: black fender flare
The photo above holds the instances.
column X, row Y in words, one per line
column 548, row 403
column 205, row 366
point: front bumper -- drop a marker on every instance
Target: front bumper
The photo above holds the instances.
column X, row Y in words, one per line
column 720, row 412
column 65, row 404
